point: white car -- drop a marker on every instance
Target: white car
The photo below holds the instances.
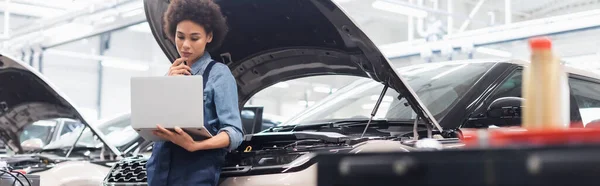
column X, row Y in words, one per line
column 28, row 100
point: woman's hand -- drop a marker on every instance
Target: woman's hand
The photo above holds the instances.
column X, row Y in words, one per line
column 179, row 69
column 178, row 137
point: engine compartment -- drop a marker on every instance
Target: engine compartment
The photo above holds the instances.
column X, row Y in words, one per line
column 34, row 163
column 272, row 153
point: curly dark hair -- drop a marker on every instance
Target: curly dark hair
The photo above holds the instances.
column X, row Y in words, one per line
column 206, row 13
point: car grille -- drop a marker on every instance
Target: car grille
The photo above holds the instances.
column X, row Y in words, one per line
column 127, row 172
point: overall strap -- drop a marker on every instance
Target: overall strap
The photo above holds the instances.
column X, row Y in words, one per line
column 206, row 73
column 205, row 76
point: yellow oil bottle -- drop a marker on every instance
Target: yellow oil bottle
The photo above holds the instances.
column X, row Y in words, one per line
column 545, row 89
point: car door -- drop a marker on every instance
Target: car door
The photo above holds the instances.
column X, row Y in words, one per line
column 511, row 86
column 586, row 93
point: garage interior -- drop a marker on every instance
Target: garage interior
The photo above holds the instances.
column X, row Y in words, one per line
column 99, row 42
column 90, row 49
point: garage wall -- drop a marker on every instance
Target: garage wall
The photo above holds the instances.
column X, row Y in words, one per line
column 139, row 46
column 137, row 54
column 77, row 78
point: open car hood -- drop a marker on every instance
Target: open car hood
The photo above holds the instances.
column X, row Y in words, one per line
column 26, row 97
column 271, row 41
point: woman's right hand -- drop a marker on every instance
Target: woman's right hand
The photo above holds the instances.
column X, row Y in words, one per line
column 178, row 68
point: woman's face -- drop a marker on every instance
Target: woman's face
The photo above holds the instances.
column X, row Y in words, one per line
column 191, row 40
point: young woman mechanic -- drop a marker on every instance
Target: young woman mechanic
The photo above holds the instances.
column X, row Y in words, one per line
column 196, row 26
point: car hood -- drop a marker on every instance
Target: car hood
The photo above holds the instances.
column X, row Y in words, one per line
column 26, row 97
column 271, row 41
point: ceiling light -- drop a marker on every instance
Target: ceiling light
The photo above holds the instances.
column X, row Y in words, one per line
column 399, row 9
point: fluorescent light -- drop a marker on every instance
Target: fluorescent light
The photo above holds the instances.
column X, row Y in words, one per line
column 399, row 9
column 282, row 85
column 125, row 65
column 494, row 52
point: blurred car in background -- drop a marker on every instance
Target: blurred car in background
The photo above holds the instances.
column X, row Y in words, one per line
column 41, row 133
column 35, row 118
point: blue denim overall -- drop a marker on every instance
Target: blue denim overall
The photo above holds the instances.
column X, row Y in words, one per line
column 172, row 165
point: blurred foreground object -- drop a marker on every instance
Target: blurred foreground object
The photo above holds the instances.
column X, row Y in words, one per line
column 545, row 89
column 545, row 110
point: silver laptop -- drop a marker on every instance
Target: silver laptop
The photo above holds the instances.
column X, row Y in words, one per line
column 169, row 101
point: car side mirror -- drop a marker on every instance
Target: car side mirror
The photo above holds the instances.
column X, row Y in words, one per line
column 502, row 112
column 506, row 107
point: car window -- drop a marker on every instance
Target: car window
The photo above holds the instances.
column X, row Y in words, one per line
column 117, row 133
column 68, row 127
column 511, row 87
column 41, row 130
column 587, row 96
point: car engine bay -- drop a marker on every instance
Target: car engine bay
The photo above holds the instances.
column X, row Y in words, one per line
column 271, row 153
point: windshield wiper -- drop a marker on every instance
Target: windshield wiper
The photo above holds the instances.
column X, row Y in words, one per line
column 340, row 123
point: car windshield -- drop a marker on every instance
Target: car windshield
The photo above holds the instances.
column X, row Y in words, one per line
column 41, row 130
column 117, row 131
column 438, row 86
